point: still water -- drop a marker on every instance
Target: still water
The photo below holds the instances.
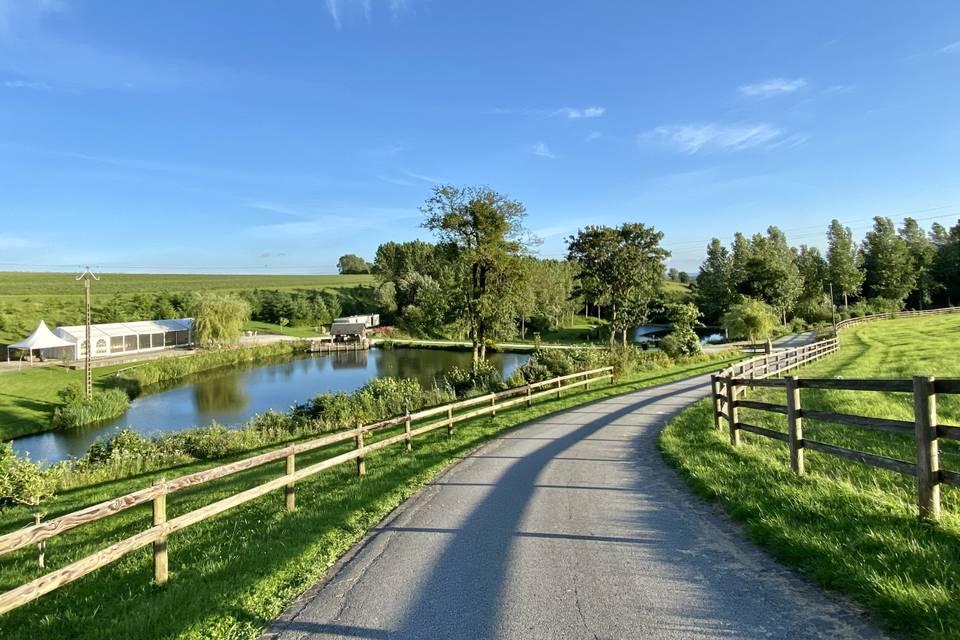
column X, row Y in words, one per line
column 232, row 396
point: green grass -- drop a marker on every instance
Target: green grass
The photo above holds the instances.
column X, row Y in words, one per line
column 232, row 575
column 267, row 327
column 26, row 298
column 29, row 397
column 850, row 527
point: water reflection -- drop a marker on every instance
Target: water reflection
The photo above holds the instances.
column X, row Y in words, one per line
column 232, row 396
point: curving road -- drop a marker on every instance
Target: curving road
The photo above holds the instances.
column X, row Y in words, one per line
column 569, row 527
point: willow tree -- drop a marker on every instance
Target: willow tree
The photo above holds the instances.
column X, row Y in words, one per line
column 218, row 318
column 483, row 233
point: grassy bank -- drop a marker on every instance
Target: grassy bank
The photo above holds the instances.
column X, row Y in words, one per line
column 29, row 398
column 848, row 526
column 232, row 575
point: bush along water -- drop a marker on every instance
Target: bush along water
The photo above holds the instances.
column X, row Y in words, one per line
column 78, row 410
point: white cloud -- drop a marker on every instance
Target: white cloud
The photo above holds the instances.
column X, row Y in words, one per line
column 23, row 84
column 593, row 135
column 694, row 138
column 772, row 87
column 542, row 150
column 953, row 47
column 337, row 8
column 333, row 6
column 577, row 114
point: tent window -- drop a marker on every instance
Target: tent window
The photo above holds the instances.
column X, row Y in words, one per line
column 183, row 337
column 131, row 343
column 157, row 340
column 101, row 346
column 171, row 339
column 116, row 344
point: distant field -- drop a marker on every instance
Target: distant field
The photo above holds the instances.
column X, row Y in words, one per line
column 57, row 298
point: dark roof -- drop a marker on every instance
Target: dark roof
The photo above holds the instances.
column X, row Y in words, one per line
column 348, row 329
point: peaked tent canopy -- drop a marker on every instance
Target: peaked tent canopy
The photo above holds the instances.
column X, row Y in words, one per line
column 41, row 338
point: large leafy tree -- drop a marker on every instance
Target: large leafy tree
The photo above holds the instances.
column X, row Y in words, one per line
column 771, row 272
column 814, row 275
column 922, row 254
column 218, row 318
column 714, row 282
column 622, row 266
column 751, row 319
column 353, row 264
column 888, row 272
column 483, row 232
column 843, row 262
column 946, row 265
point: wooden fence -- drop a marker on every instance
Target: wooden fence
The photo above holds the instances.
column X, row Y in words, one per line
column 157, row 493
column 729, row 385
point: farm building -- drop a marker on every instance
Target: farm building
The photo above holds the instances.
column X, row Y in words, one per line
column 128, row 337
column 348, row 331
column 369, row 320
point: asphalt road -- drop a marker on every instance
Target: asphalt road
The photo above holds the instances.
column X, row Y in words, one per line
column 569, row 527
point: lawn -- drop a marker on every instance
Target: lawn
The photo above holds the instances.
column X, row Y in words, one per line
column 267, row 327
column 232, row 575
column 849, row 527
column 28, row 397
column 26, row 298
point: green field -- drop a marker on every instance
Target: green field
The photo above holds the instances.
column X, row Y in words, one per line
column 232, row 575
column 26, row 298
column 848, row 526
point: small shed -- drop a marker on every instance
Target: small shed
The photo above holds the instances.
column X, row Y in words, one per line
column 348, row 331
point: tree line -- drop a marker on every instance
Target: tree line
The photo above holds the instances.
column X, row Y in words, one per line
column 889, row 269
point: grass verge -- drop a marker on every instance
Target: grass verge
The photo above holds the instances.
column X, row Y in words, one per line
column 232, row 575
column 849, row 527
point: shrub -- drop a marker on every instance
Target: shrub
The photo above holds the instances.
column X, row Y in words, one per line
column 78, row 410
column 483, row 377
column 681, row 342
column 22, row 482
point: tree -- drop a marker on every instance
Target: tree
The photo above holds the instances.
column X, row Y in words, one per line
column 714, row 282
column 751, row 319
column 946, row 264
column 352, row 264
column 682, row 340
column 684, row 277
column 888, row 273
column 771, row 272
column 623, row 266
column 483, row 232
column 218, row 318
column 23, row 482
column 922, row 254
column 814, row 274
column 673, row 274
column 843, row 262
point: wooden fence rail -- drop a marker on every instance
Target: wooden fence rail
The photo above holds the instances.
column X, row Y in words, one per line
column 158, row 492
column 728, row 387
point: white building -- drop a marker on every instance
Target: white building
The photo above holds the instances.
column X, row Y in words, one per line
column 129, row 337
column 369, row 320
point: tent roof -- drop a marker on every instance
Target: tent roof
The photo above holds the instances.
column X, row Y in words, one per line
column 115, row 329
column 41, row 338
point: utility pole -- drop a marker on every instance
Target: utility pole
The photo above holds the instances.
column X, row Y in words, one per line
column 87, row 276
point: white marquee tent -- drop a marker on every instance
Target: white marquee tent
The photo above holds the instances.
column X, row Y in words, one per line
column 42, row 340
column 128, row 337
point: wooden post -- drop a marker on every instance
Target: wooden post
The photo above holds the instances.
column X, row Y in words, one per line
column 559, row 388
column 361, row 463
column 732, row 412
column 449, row 421
column 794, row 425
column 714, row 392
column 406, row 426
column 160, row 565
column 493, row 403
column 928, row 448
column 290, row 491
column 529, row 399
column 42, row 545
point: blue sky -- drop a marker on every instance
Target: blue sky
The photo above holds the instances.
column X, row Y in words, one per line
column 270, row 136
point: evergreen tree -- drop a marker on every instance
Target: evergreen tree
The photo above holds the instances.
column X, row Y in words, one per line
column 714, row 282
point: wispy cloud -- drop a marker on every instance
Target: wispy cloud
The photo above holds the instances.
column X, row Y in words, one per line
column 333, row 7
column 542, row 150
column 24, row 84
column 593, row 135
column 337, row 8
column 694, row 138
column 577, row 114
column 328, row 218
column 771, row 88
column 18, row 16
column 953, row 47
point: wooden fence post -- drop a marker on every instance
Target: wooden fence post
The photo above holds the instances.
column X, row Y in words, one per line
column 732, row 413
column 290, row 491
column 559, row 388
column 794, row 425
column 493, row 403
column 406, row 426
column 928, row 447
column 449, row 421
column 160, row 565
column 529, row 399
column 42, row 545
column 361, row 463
column 714, row 392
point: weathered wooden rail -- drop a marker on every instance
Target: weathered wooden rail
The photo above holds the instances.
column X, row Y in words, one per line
column 729, row 385
column 157, row 493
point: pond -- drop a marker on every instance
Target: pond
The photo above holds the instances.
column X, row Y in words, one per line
column 653, row 332
column 234, row 395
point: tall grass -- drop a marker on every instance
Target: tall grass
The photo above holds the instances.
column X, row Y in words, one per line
column 103, row 405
